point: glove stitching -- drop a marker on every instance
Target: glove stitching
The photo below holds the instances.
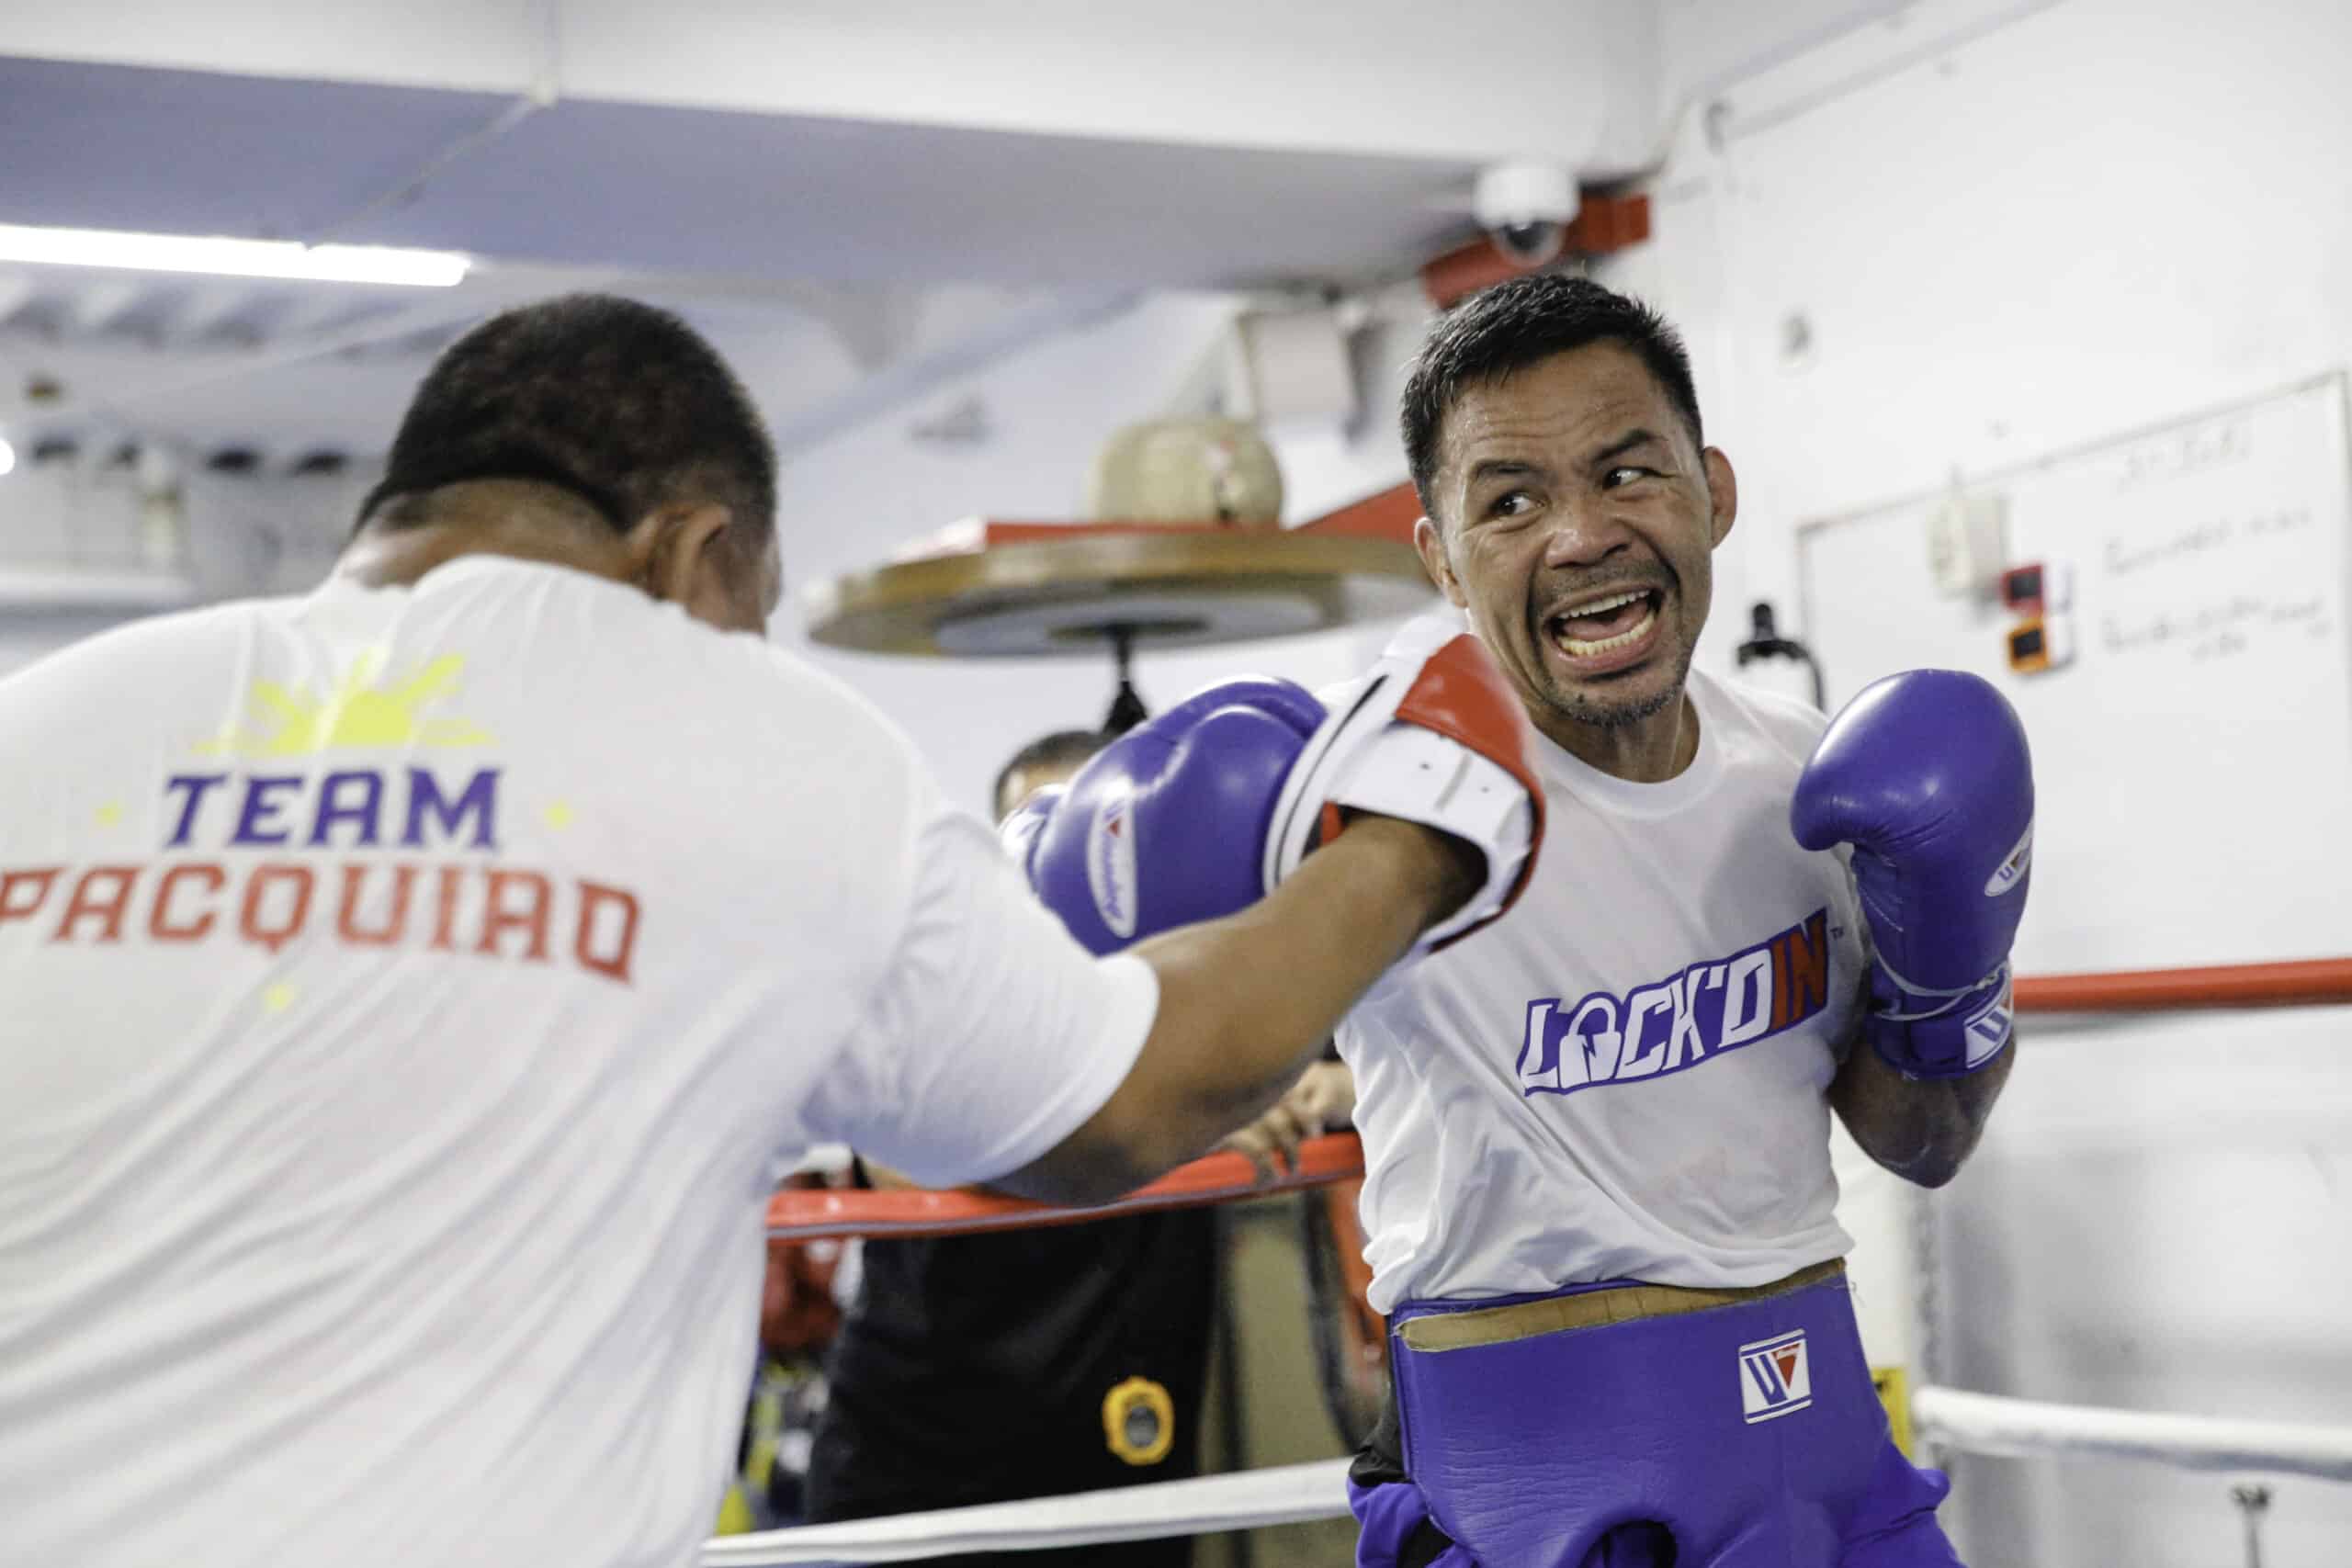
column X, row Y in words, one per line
column 1954, row 994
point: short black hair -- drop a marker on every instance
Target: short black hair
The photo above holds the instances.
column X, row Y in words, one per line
column 1516, row 324
column 1062, row 749
column 621, row 403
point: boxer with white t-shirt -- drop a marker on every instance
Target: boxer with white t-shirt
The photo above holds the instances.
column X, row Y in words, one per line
column 1599, row 1201
column 1598, row 1196
column 414, row 988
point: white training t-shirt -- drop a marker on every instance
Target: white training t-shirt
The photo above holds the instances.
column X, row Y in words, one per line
column 411, row 998
column 1623, row 1077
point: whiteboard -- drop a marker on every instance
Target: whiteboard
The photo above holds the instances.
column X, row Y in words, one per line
column 2193, row 766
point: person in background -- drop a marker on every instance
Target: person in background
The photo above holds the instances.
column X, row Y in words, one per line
column 1030, row 1363
column 799, row 1314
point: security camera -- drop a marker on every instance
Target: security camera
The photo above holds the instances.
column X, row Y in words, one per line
column 1526, row 209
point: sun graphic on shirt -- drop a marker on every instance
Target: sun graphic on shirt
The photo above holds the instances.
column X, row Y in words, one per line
column 359, row 711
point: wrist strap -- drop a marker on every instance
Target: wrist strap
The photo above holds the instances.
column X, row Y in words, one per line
column 1960, row 1038
column 1953, row 996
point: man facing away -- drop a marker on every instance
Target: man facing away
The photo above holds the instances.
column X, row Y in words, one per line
column 414, row 991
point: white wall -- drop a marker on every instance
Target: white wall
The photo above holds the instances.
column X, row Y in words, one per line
column 2077, row 219
column 26, row 634
column 66, row 517
column 847, row 504
column 64, row 526
column 82, row 549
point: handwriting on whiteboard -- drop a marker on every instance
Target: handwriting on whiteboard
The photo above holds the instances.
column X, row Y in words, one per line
column 2186, row 452
column 2125, row 555
column 2166, row 592
column 2224, row 630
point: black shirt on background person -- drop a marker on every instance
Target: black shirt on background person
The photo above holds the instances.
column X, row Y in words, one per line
column 1030, row 1363
column 982, row 1369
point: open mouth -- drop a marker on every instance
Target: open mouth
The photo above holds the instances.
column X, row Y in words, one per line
column 1608, row 628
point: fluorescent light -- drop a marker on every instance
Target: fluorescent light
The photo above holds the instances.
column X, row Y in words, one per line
column 7, row 456
column 232, row 258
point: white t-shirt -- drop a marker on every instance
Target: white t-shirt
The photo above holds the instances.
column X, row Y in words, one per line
column 411, row 998
column 1623, row 1077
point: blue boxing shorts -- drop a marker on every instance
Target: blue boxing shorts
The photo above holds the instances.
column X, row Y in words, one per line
column 1632, row 1425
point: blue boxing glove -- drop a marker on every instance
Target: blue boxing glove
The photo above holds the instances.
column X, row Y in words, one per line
column 1025, row 823
column 1162, row 828
column 1202, row 810
column 1926, row 774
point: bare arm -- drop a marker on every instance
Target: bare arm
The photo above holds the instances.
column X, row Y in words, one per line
column 1245, row 1002
column 1324, row 1097
column 1921, row 1129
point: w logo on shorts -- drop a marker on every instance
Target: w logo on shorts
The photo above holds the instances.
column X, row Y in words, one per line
column 1775, row 1378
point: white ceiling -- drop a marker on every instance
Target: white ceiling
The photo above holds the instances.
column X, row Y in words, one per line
column 655, row 189
column 819, row 256
column 851, row 196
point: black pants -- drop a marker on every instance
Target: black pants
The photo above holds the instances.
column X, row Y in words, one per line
column 1381, row 1460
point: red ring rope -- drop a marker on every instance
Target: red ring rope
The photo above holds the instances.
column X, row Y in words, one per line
column 798, row 1215
column 2305, row 983
column 802, row 1216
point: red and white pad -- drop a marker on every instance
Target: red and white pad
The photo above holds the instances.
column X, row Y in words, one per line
column 1433, row 735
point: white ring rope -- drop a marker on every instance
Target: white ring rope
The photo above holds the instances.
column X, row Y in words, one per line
column 1280, row 1494
column 1990, row 1424
column 1974, row 1423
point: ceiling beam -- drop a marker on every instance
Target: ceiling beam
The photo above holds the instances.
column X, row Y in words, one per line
column 486, row 290
column 15, row 288
column 313, row 308
column 207, row 308
column 98, row 305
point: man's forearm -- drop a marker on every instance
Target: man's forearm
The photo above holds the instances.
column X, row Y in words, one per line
column 1270, row 983
column 1921, row 1129
column 1247, row 1001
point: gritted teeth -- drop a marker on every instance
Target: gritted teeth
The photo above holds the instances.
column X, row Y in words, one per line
column 1579, row 648
column 1600, row 605
column 1608, row 614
